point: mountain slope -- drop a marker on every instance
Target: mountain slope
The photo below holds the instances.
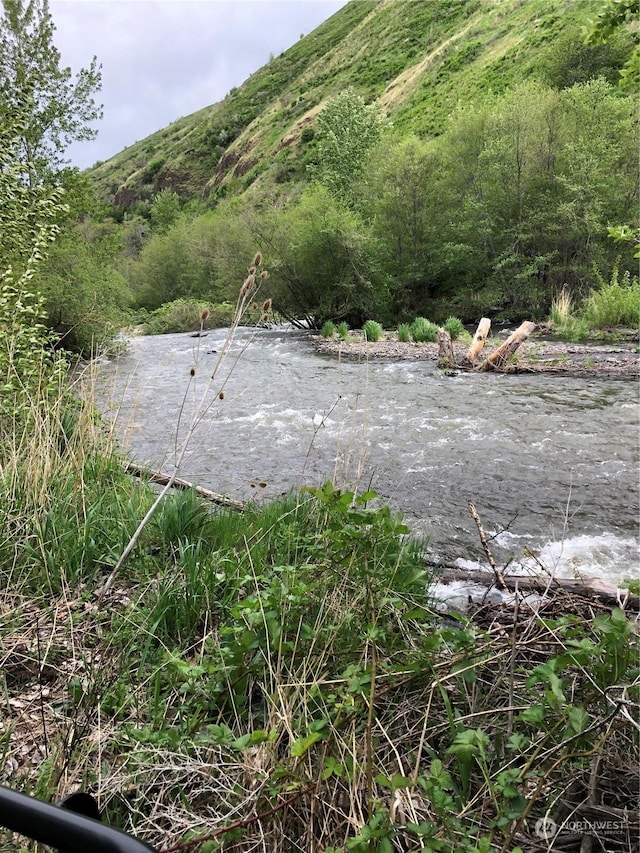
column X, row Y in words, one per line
column 418, row 58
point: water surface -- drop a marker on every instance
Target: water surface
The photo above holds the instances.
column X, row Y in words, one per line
column 550, row 462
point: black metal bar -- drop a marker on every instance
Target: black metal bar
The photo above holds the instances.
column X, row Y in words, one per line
column 58, row 827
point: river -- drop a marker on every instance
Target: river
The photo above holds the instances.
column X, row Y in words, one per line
column 550, row 462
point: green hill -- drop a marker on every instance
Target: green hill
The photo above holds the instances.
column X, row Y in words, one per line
column 417, row 59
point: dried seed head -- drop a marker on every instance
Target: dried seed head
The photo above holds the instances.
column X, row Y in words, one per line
column 254, row 305
column 266, row 306
column 262, row 484
column 192, row 371
column 258, row 259
column 221, row 395
column 264, row 274
column 249, row 284
column 252, row 270
column 205, row 314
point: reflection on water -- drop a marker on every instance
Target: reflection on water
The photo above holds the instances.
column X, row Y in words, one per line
column 550, row 462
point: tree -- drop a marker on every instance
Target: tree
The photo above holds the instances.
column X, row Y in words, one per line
column 613, row 15
column 347, row 129
column 58, row 108
column 28, row 225
column 164, row 210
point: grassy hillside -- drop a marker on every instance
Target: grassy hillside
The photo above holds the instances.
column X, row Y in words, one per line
column 419, row 59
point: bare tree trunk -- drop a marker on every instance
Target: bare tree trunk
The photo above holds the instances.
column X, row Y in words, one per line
column 479, row 340
column 499, row 357
column 446, row 357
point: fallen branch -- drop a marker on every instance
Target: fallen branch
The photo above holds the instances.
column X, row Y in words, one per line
column 485, row 545
column 500, row 356
column 591, row 588
column 163, row 479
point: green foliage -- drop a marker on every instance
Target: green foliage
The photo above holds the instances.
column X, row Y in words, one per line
column 321, row 257
column 85, row 297
column 614, row 303
column 404, row 333
column 164, row 211
column 454, row 326
column 347, row 129
column 613, row 15
column 424, row 331
column 56, row 108
column 372, row 331
column 176, row 263
column 328, row 329
column 569, row 60
column 28, row 225
column 343, row 330
column 185, row 315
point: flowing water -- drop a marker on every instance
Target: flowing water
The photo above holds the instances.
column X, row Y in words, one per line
column 551, row 463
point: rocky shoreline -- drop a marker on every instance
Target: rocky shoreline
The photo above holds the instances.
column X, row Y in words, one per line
column 619, row 360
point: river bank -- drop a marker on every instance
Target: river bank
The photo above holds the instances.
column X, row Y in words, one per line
column 619, row 360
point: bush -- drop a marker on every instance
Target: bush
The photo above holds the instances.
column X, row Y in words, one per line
column 328, row 329
column 614, row 304
column 404, row 333
column 184, row 315
column 372, row 331
column 424, row 331
column 343, row 330
column 454, row 326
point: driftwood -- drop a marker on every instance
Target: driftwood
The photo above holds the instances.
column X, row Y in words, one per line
column 446, row 357
column 499, row 356
column 592, row 588
column 479, row 340
column 162, row 479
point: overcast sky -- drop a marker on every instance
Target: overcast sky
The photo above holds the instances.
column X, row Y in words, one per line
column 164, row 59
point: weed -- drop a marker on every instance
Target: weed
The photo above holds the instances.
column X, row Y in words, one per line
column 424, row 331
column 343, row 330
column 372, row 331
column 404, row 333
column 455, row 327
column 328, row 329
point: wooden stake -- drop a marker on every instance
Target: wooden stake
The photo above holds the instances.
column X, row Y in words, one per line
column 499, row 356
column 479, row 340
column 446, row 357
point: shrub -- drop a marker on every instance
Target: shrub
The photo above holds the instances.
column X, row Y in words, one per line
column 614, row 304
column 423, row 330
column 328, row 329
column 404, row 333
column 343, row 330
column 372, row 331
column 454, row 326
column 184, row 315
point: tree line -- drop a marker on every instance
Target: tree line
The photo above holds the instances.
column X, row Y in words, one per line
column 512, row 203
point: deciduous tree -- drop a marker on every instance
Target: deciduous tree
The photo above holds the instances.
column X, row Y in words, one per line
column 58, row 107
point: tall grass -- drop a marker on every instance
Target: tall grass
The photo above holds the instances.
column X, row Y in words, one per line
column 613, row 304
column 616, row 303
